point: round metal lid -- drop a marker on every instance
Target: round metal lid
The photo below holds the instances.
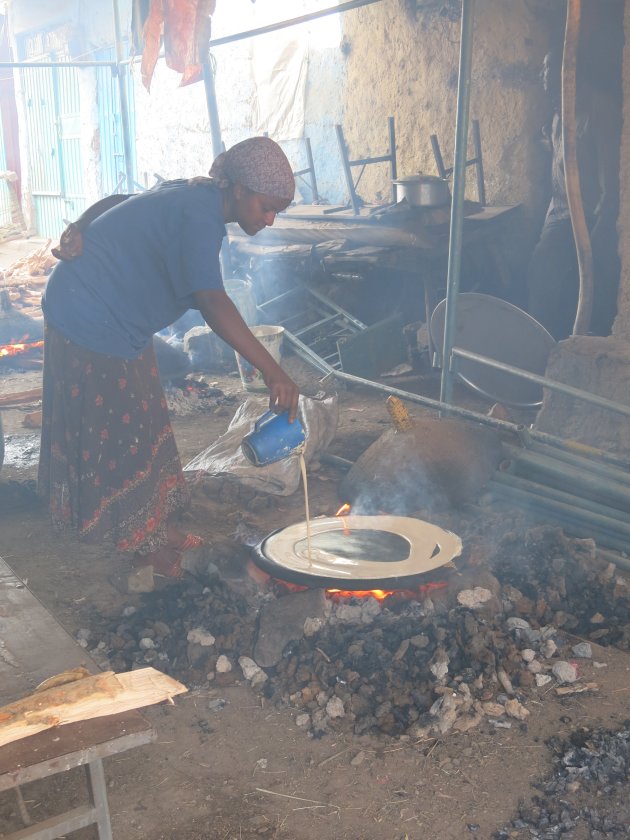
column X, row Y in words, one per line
column 497, row 329
column 358, row 552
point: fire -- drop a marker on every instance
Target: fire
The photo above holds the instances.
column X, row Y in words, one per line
column 378, row 594
column 345, row 508
column 20, row 347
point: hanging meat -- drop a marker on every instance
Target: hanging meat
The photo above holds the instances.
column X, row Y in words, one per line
column 185, row 25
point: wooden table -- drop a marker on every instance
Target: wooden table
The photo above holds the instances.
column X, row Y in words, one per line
column 34, row 646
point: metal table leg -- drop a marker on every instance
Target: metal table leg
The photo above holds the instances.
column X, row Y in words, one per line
column 98, row 797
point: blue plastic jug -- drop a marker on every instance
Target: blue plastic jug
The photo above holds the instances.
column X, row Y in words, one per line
column 272, row 438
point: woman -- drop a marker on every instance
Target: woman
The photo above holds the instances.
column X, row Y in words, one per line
column 109, row 465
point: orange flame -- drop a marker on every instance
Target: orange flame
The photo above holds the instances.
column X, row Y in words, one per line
column 20, row 347
column 379, row 594
column 345, row 508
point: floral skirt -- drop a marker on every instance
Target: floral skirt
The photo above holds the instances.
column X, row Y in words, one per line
column 109, row 465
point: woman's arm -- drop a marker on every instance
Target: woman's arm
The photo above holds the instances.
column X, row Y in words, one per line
column 223, row 317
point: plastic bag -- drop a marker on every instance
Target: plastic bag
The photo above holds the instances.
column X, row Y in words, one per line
column 319, row 418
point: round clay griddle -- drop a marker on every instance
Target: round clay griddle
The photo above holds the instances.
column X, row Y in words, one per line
column 358, row 552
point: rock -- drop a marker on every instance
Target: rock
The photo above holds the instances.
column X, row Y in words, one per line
column 504, row 681
column 493, row 709
column 303, row 720
column 514, row 709
column 515, row 623
column 475, row 598
column 199, row 636
column 358, row 759
column 335, row 708
column 439, row 666
column 420, row 641
column 217, row 704
column 583, row 650
column 565, row 672
column 312, row 626
column 283, row 620
column 223, row 665
column 146, row 644
column 548, row 648
column 534, row 667
column 528, row 654
column 542, row 680
column 248, row 667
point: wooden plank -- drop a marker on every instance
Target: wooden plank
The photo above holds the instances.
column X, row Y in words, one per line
column 97, row 695
column 63, row 748
column 20, row 397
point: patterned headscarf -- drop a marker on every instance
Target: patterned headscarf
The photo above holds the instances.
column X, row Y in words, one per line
column 258, row 164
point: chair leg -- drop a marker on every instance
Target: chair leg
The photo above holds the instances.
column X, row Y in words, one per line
column 347, row 171
column 311, row 170
column 98, row 798
column 393, row 165
column 481, row 184
column 437, row 154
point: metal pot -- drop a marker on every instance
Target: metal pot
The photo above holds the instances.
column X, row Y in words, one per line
column 423, row 190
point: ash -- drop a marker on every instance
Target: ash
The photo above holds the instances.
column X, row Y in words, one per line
column 595, row 764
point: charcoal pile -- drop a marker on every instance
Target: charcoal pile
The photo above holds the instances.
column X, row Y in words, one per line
column 563, row 582
column 593, row 766
column 473, row 651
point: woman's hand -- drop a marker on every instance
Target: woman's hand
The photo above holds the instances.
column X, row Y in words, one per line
column 284, row 393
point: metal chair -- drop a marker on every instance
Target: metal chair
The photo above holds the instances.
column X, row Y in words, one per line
column 351, row 184
column 476, row 161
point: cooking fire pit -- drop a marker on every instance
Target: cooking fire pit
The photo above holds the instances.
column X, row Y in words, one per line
column 357, row 552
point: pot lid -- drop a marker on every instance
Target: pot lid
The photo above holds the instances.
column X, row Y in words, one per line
column 358, row 552
column 420, row 179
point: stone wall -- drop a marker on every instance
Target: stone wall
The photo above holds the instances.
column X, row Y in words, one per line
column 403, row 59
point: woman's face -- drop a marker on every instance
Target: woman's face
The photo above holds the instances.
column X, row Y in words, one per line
column 254, row 211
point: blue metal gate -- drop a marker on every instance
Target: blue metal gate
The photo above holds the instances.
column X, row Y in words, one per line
column 53, row 116
column 56, row 168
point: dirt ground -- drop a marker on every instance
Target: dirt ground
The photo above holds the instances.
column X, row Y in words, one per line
column 247, row 770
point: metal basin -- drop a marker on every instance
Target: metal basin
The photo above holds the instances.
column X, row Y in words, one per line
column 499, row 330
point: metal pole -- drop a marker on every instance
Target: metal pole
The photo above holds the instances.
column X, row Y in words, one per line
column 121, row 74
column 213, row 108
column 283, row 24
column 552, row 384
column 457, row 206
